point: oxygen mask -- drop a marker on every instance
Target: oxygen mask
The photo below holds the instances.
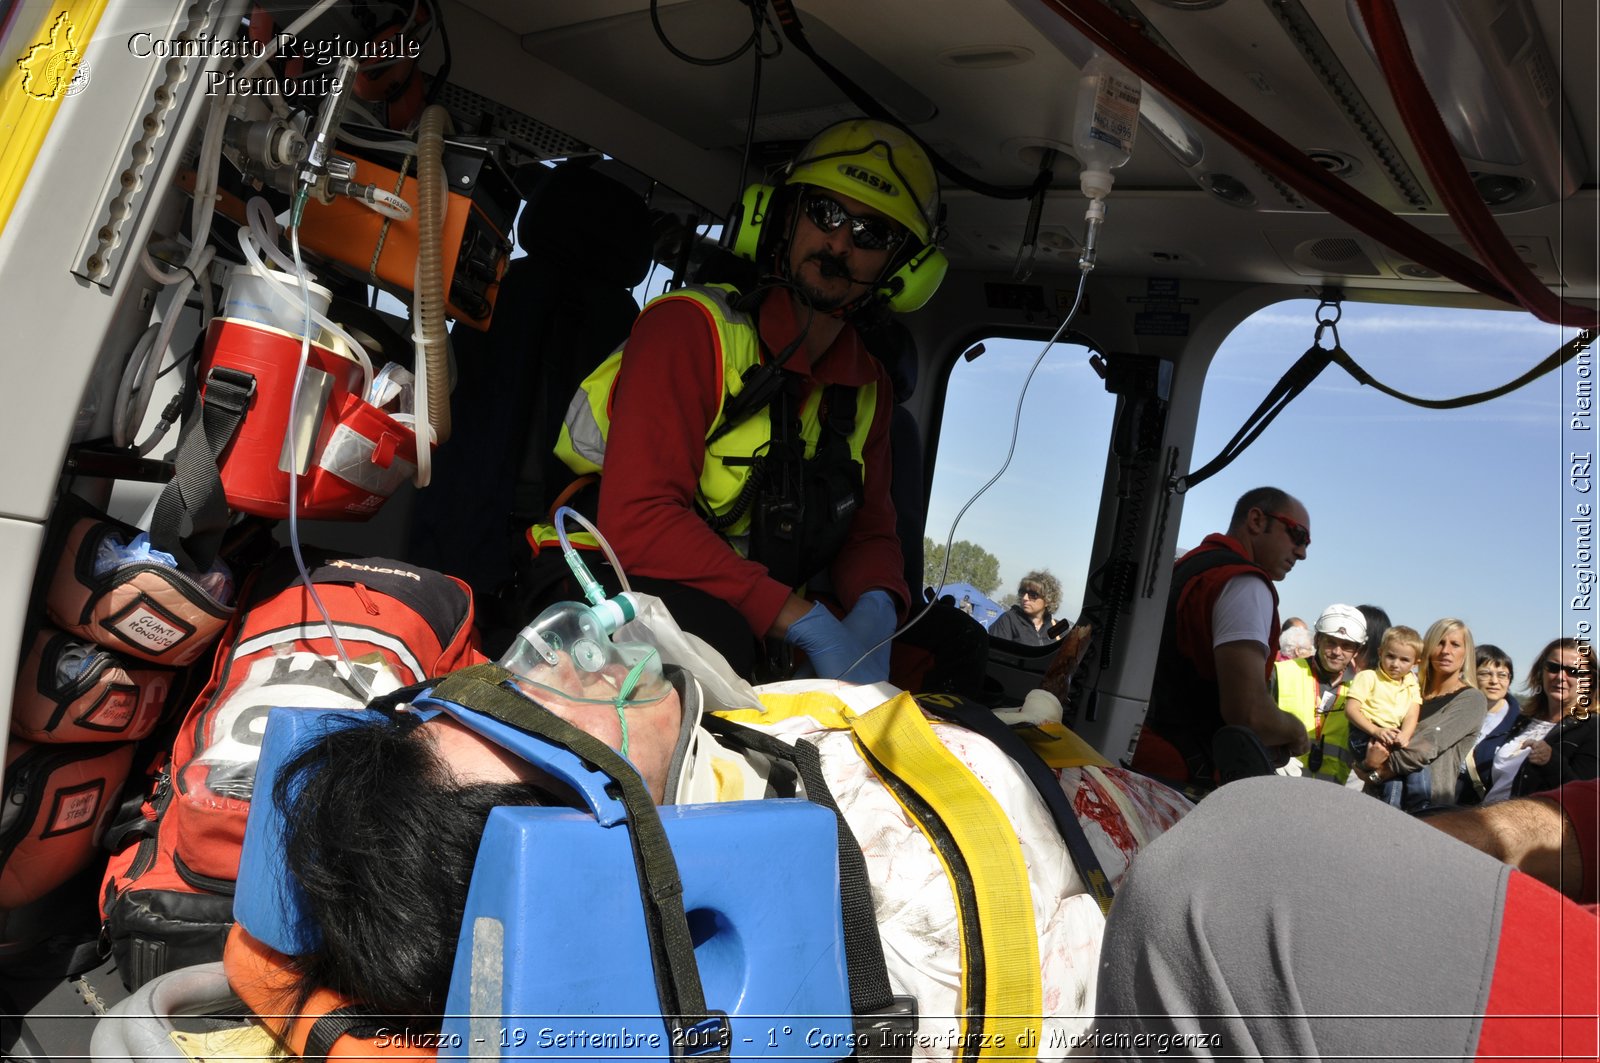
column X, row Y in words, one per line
column 568, row 653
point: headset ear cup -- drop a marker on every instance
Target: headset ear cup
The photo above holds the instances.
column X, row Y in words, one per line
column 914, row 283
column 753, row 209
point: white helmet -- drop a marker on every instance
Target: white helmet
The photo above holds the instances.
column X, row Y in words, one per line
column 1343, row 622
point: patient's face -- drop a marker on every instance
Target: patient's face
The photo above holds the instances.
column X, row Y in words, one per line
column 652, row 736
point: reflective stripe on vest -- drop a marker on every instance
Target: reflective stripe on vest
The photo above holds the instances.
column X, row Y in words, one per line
column 582, row 443
column 1299, row 694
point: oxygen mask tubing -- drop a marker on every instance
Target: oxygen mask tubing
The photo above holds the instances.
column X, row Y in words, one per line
column 569, row 651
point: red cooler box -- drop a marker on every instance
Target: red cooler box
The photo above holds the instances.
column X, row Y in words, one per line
column 352, row 455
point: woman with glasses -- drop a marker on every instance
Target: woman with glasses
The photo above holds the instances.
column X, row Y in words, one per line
column 1028, row 621
column 1453, row 709
column 1556, row 739
column 1504, row 720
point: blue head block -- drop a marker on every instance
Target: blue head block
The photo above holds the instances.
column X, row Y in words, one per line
column 554, row 959
column 266, row 901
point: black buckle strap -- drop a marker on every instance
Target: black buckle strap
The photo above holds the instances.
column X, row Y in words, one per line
column 192, row 513
column 358, row 1019
column 982, row 721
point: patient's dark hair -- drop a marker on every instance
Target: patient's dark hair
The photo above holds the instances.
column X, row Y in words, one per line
column 382, row 841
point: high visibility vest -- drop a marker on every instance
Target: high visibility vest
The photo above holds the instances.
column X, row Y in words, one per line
column 582, row 443
column 1299, row 694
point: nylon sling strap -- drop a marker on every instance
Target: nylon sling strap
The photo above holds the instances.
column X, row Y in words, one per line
column 355, row 1019
column 1002, row 947
column 869, row 977
column 694, row 1031
column 983, row 722
column 191, row 513
column 1300, row 375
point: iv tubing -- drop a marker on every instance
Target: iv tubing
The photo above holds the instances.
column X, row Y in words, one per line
column 1085, row 266
column 293, row 30
column 398, row 147
column 358, row 352
column 351, row 675
column 266, row 231
column 133, row 399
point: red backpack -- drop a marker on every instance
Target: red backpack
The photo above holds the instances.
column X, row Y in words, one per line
column 167, row 898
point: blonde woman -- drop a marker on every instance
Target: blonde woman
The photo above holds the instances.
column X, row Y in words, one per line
column 1453, row 709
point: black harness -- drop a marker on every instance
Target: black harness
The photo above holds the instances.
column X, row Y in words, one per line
column 800, row 508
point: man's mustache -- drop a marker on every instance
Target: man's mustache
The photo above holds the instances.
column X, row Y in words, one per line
column 830, row 265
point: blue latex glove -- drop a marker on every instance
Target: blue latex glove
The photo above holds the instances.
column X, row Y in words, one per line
column 872, row 621
column 829, row 645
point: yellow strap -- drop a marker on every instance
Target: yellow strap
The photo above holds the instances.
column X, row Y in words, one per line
column 899, row 738
column 1059, row 747
column 32, row 89
column 825, row 708
column 543, row 537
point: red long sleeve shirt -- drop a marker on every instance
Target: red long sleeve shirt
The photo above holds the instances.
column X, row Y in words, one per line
column 665, row 399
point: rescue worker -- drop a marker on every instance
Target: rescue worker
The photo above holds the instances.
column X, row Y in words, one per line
column 744, row 438
column 1313, row 689
column 1219, row 639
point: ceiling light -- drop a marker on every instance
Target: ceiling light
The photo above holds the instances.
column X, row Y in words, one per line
column 986, row 56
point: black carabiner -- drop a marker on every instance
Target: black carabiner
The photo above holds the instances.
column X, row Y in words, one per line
column 1324, row 327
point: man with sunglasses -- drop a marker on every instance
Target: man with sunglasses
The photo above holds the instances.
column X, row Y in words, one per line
column 1219, row 641
column 744, row 436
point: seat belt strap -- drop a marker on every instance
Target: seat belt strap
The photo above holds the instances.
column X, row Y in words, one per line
column 1002, row 995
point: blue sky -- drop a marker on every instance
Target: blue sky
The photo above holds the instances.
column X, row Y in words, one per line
column 1464, row 513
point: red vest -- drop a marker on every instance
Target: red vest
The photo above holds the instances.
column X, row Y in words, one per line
column 1185, row 711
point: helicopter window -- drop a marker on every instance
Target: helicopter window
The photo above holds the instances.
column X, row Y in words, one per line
column 1477, row 513
column 1041, row 513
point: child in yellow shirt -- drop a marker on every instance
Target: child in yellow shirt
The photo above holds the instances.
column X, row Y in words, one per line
column 1384, row 703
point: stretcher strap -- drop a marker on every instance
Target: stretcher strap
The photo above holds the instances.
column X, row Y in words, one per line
column 678, row 986
column 980, row 720
column 943, row 796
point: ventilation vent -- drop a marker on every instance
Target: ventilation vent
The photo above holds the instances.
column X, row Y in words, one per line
column 525, row 134
column 1336, row 254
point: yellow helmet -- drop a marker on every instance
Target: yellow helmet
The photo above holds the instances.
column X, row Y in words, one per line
column 878, row 164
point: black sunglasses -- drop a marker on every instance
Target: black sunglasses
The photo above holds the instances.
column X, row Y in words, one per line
column 1299, row 534
column 1573, row 671
column 867, row 233
column 1030, row 594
